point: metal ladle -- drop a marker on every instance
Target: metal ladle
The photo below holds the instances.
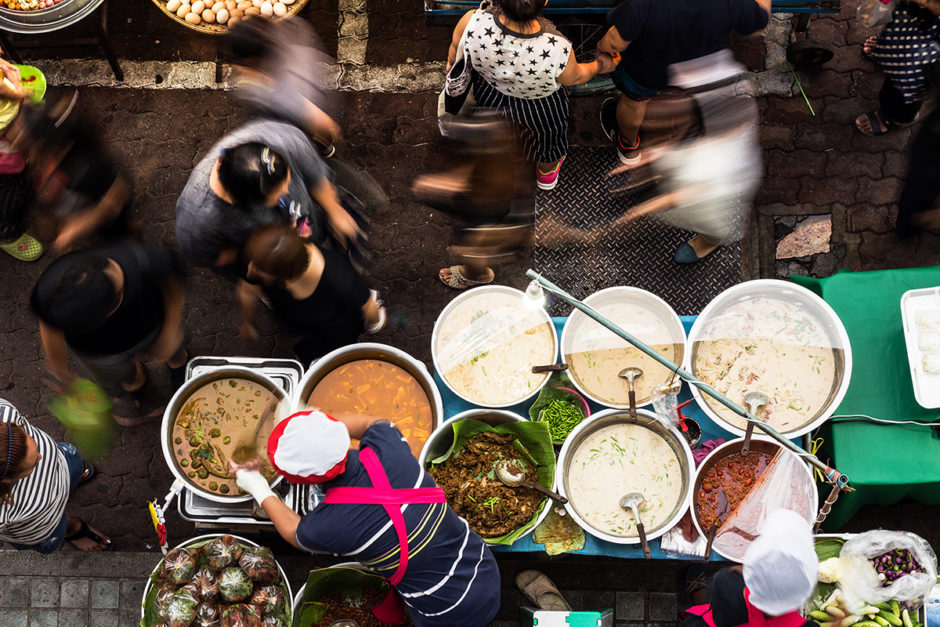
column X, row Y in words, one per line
column 516, row 480
column 344, row 622
column 632, row 501
column 753, row 400
column 630, row 374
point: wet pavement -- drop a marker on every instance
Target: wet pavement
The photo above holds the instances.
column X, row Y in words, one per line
column 816, row 166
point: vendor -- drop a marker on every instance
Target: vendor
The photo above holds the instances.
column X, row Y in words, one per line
column 778, row 576
column 443, row 571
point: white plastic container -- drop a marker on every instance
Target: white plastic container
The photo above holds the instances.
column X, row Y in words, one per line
column 926, row 384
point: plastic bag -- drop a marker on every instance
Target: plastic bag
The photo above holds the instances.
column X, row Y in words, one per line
column 223, row 551
column 179, row 565
column 269, row 598
column 859, row 581
column 259, row 565
column 234, row 584
column 873, row 13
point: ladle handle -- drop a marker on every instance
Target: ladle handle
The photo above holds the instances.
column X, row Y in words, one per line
column 548, row 493
column 633, row 416
column 646, row 547
column 747, row 438
column 711, row 539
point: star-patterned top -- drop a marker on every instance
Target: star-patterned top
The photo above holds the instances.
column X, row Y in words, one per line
column 517, row 65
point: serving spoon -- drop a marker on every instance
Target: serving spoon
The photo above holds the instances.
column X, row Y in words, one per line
column 344, row 622
column 632, row 501
column 723, row 506
column 630, row 374
column 753, row 400
column 517, row 479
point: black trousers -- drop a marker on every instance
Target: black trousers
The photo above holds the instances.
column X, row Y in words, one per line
column 922, row 185
column 893, row 107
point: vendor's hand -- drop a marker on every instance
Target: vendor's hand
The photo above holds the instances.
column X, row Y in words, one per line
column 344, row 227
column 252, row 482
column 606, row 63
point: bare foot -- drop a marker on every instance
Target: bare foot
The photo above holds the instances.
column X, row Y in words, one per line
column 84, row 537
column 864, row 124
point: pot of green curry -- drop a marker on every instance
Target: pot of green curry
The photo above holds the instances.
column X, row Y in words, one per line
column 210, row 416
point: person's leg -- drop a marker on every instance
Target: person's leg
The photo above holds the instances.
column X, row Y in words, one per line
column 922, row 186
column 893, row 107
column 73, row 460
column 630, row 114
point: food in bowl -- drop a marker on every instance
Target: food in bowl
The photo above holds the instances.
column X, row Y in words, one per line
column 374, row 387
column 775, row 347
column 616, row 460
column 29, row 5
column 486, row 345
column 727, row 483
column 217, row 418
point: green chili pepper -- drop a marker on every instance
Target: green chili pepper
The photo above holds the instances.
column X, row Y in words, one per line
column 562, row 417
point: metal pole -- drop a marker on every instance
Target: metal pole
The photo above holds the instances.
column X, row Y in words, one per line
column 832, row 475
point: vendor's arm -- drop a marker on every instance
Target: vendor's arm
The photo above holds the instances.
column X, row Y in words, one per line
column 284, row 518
column 579, row 73
column 57, row 353
column 343, row 224
column 93, row 218
column 455, row 39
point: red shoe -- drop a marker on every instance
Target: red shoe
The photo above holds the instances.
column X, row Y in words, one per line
column 548, row 180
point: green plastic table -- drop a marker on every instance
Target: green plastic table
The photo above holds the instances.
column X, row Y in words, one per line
column 884, row 463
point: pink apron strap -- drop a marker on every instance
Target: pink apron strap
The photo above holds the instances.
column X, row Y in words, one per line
column 704, row 612
column 756, row 618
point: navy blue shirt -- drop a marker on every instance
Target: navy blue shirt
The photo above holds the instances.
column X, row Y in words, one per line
column 452, row 577
column 663, row 32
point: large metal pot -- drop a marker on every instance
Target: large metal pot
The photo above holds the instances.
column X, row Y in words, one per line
column 760, row 444
column 46, row 20
column 648, row 420
column 180, row 398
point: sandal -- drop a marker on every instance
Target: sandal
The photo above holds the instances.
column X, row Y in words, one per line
column 128, row 412
column 25, row 248
column 458, row 281
column 880, row 125
column 539, row 589
column 695, row 580
column 88, row 473
column 84, row 531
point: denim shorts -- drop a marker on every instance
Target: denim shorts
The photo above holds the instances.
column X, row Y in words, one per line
column 630, row 88
column 76, row 468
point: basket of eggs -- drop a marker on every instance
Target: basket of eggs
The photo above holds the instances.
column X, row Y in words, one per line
column 213, row 17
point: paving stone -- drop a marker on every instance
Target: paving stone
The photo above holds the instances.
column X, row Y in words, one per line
column 14, row 592
column 73, row 618
column 44, row 593
column 131, row 593
column 630, row 606
column 104, row 619
column 13, row 618
column 597, row 600
column 74, row 593
column 43, row 618
column 105, row 595
column 663, row 606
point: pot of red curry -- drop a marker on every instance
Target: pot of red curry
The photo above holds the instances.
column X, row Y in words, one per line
column 374, row 380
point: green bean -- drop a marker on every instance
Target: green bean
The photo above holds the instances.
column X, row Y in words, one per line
column 562, row 417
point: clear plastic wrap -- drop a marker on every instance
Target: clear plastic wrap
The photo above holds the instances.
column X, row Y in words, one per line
column 873, row 13
column 859, row 580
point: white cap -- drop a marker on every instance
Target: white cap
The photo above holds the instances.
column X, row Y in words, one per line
column 780, row 566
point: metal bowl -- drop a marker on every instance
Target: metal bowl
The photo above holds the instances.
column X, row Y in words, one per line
column 49, row 19
column 712, row 320
column 176, row 404
column 443, row 438
column 646, row 419
column 478, row 341
column 370, row 350
column 581, row 332
column 760, row 444
column 221, row 29
column 211, row 536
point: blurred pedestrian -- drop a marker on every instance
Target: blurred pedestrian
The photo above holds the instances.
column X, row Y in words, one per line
column 281, row 72
column 264, row 172
column 917, row 206
column 654, row 34
column 906, row 50
column 76, row 183
column 37, row 476
column 521, row 65
column 315, row 290
column 108, row 305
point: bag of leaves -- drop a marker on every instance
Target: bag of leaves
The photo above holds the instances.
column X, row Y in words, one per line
column 223, row 551
column 179, row 565
column 164, row 593
column 181, row 609
column 273, row 621
column 234, row 584
column 207, row 615
column 269, row 598
column 258, row 563
column 240, row 615
column 207, row 584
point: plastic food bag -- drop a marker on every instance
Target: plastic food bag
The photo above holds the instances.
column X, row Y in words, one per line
column 240, row 615
column 223, row 551
column 259, row 565
column 234, row 584
column 269, row 598
column 181, row 609
column 875, row 12
column 207, row 615
column 179, row 566
column 666, row 401
column 860, row 583
column 207, row 584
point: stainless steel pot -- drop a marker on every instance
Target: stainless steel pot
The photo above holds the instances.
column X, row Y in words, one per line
column 47, row 20
column 176, row 404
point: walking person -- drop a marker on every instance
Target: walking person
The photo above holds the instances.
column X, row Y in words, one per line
column 442, row 570
column 37, row 476
column 651, row 35
column 521, row 65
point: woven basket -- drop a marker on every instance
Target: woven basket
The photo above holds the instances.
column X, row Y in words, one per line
column 221, row 29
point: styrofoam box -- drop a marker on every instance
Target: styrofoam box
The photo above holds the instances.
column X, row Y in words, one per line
column 926, row 385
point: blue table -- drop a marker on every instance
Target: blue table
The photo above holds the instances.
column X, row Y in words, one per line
column 593, row 546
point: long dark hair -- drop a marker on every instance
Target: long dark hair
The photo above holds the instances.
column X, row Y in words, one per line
column 521, row 11
column 12, row 454
column 250, row 172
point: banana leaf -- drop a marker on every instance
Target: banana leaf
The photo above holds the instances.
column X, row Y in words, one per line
column 558, row 388
column 532, row 440
column 350, row 582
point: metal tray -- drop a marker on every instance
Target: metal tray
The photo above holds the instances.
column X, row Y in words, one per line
column 926, row 385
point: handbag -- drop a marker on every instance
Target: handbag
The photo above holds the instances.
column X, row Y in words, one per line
column 456, row 97
column 907, row 49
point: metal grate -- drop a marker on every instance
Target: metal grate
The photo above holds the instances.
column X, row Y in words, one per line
column 642, row 257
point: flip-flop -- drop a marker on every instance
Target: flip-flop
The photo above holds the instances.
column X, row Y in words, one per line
column 539, row 589
column 876, row 121
column 88, row 473
column 84, row 531
column 458, row 281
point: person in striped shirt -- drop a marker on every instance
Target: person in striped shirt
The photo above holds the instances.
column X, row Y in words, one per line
column 37, row 475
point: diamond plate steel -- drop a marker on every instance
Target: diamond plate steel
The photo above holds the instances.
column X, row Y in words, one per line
column 641, row 254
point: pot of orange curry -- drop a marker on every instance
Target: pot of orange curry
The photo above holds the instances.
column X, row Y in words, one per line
column 374, row 380
column 210, row 416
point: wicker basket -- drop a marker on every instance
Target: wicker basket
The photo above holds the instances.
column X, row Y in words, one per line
column 221, row 29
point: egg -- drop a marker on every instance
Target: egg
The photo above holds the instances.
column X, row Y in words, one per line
column 237, row 13
column 231, row 4
column 243, row 4
column 257, row 3
column 218, row 6
column 267, row 9
column 252, row 11
column 208, row 16
column 222, row 16
column 183, row 10
column 198, row 7
column 192, row 18
column 173, row 5
column 279, row 9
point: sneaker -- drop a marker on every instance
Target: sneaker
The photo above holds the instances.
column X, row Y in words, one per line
column 627, row 154
column 548, row 180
